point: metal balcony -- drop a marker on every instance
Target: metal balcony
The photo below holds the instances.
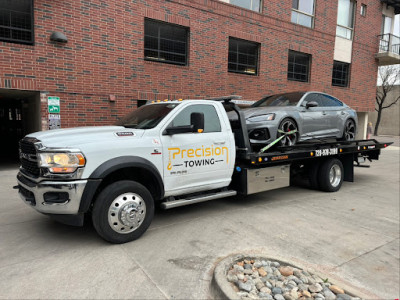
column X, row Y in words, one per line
column 389, row 49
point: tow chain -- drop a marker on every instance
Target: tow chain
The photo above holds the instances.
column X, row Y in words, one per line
column 284, row 134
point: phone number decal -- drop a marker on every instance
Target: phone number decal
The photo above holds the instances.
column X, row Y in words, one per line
column 326, row 152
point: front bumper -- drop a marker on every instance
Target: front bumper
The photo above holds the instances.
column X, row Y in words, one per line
column 51, row 197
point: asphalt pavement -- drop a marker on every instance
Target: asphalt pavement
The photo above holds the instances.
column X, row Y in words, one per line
column 352, row 236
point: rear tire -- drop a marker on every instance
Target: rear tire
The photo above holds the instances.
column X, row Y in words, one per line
column 330, row 175
column 349, row 131
column 123, row 211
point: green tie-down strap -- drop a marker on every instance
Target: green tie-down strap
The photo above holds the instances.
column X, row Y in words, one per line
column 278, row 139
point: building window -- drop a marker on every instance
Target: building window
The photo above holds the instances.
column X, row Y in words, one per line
column 340, row 74
column 165, row 42
column 345, row 19
column 363, row 10
column 299, row 66
column 16, row 21
column 248, row 4
column 303, row 12
column 243, row 56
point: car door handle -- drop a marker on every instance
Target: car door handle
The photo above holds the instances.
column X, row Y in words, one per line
column 219, row 142
column 324, row 113
column 342, row 112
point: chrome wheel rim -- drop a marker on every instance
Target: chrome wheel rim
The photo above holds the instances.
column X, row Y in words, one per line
column 288, row 140
column 350, row 131
column 335, row 175
column 126, row 213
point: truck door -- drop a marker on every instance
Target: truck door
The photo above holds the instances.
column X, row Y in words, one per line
column 197, row 160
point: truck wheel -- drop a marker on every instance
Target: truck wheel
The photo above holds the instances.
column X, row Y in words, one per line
column 123, row 211
column 330, row 177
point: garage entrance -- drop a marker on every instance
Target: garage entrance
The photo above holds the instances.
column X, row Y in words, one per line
column 19, row 115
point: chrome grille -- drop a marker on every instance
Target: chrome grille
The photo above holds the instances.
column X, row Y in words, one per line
column 28, row 158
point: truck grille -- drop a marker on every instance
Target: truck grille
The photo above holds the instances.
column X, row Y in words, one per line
column 28, row 158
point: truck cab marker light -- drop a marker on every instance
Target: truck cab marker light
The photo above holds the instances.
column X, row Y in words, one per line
column 312, row 153
column 200, row 130
column 259, row 159
column 253, row 162
column 385, row 145
column 340, row 150
column 365, row 147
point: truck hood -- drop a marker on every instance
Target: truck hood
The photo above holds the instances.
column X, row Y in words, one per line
column 71, row 137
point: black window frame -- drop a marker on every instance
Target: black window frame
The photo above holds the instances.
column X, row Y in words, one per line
column 237, row 54
column 294, row 75
column 159, row 38
column 340, row 76
column 17, row 29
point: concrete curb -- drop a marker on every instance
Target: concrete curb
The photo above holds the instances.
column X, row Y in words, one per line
column 222, row 289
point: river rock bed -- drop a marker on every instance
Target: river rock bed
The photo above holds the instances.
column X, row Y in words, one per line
column 266, row 279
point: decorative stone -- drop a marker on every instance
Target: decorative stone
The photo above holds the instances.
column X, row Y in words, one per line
column 306, row 294
column 244, row 286
column 238, row 268
column 344, row 297
column 232, row 278
column 328, row 294
column 248, row 271
column 276, row 290
column 336, row 289
column 240, row 276
column 315, row 288
column 262, row 272
column 265, row 290
column 286, row 271
column 287, row 296
column 259, row 285
column 278, row 297
column 265, row 296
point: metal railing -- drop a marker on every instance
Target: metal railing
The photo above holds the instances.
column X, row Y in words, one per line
column 389, row 43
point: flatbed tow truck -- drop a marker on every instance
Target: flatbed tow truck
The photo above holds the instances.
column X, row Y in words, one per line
column 168, row 153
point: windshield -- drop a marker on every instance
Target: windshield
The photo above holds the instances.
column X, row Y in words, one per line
column 289, row 99
column 147, row 116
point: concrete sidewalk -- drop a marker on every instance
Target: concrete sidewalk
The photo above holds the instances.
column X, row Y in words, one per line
column 351, row 235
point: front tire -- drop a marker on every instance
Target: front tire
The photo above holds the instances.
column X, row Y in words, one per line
column 123, row 211
column 287, row 125
column 330, row 175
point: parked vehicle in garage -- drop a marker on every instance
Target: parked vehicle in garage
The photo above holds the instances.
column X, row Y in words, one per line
column 313, row 115
column 169, row 154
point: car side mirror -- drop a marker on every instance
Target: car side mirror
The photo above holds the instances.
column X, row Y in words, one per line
column 311, row 104
column 197, row 121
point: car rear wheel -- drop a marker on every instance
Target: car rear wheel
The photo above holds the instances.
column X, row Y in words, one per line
column 288, row 125
column 349, row 132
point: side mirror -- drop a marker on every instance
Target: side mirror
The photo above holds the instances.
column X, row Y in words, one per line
column 178, row 129
column 311, row 104
column 197, row 121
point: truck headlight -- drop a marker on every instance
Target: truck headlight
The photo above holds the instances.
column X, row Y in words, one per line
column 61, row 162
column 261, row 118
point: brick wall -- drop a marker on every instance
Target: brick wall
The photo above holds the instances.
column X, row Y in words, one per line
column 104, row 54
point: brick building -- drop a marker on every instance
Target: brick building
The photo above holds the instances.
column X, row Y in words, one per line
column 103, row 58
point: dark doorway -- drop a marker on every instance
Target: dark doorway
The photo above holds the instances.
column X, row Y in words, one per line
column 19, row 116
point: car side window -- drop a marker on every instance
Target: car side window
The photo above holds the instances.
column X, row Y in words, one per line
column 331, row 101
column 211, row 119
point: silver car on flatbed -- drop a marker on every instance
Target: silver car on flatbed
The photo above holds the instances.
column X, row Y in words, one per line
column 314, row 115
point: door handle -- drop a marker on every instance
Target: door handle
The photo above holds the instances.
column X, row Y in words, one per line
column 219, row 142
column 342, row 112
column 324, row 113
